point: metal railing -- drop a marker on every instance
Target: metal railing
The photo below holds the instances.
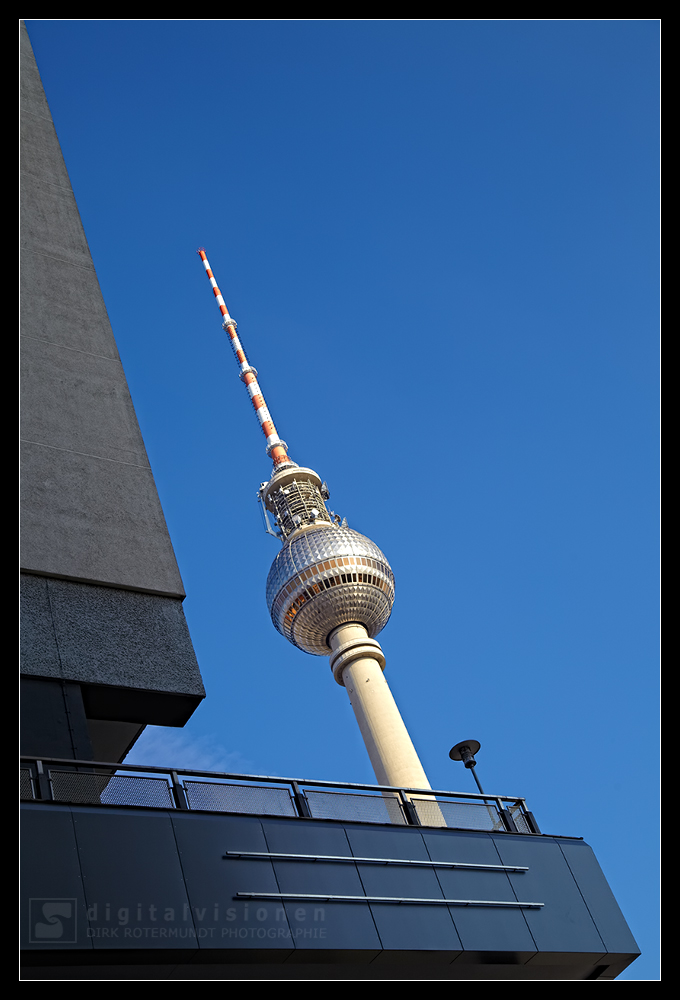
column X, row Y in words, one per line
column 99, row 783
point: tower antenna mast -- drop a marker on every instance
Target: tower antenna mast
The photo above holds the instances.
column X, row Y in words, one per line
column 276, row 448
column 330, row 590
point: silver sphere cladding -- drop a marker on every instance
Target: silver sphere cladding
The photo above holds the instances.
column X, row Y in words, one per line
column 324, row 577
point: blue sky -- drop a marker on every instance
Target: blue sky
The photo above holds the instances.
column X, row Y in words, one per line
column 440, row 241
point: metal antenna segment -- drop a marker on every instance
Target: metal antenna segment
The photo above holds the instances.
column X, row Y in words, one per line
column 276, row 448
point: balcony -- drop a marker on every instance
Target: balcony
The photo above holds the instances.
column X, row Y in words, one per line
column 135, row 872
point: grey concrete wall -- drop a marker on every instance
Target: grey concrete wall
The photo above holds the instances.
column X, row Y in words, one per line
column 90, row 509
column 101, row 591
column 106, row 636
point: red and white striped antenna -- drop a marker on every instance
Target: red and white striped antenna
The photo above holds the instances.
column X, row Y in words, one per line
column 276, row 448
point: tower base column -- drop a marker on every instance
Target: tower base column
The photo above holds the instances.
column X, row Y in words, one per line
column 357, row 663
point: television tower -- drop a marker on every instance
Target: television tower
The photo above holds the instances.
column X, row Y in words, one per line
column 330, row 590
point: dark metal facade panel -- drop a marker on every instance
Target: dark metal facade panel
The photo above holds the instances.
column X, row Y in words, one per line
column 283, row 837
column 481, row 928
column 213, row 881
column 163, row 881
column 54, row 908
column 564, row 924
column 598, row 897
column 403, row 927
column 134, row 886
column 320, row 924
column 387, row 842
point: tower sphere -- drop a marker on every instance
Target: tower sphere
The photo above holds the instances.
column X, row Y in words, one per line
column 324, row 576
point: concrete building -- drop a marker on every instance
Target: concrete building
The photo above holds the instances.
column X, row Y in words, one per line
column 146, row 873
column 105, row 645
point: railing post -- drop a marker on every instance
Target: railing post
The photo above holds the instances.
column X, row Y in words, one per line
column 410, row 812
column 178, row 792
column 43, row 787
column 533, row 825
column 300, row 799
column 507, row 818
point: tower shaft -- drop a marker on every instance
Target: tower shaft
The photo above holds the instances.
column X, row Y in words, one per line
column 357, row 663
